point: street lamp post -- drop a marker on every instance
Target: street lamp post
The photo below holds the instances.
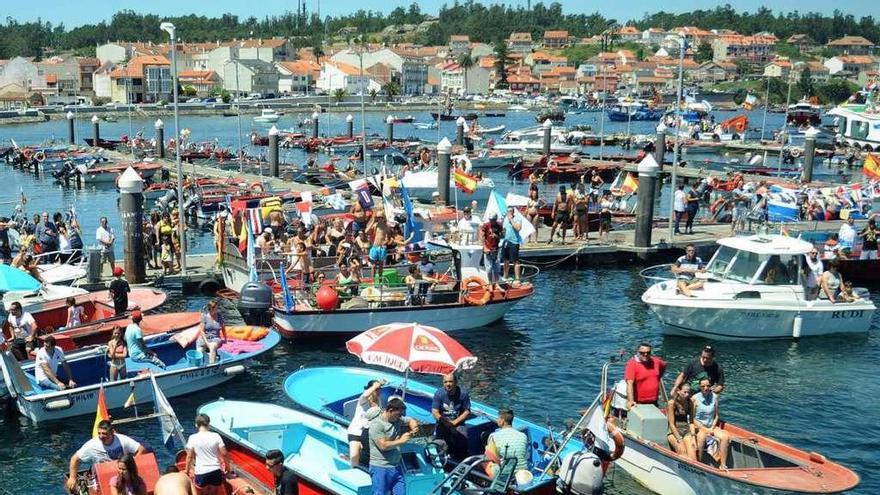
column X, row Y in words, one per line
column 783, row 132
column 602, row 113
column 682, row 44
column 170, row 29
column 237, row 112
column 363, row 111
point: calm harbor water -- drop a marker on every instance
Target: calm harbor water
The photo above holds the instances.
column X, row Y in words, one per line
column 543, row 359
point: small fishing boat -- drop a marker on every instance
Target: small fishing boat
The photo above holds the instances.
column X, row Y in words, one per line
column 498, row 129
column 267, row 116
column 755, row 464
column 187, row 371
column 332, row 392
column 108, row 173
column 752, row 290
column 97, row 306
column 462, row 301
column 409, row 119
column 425, row 125
column 494, row 114
column 518, row 108
column 804, row 113
column 107, row 144
column 451, row 116
column 551, row 115
column 314, row 449
column 632, row 111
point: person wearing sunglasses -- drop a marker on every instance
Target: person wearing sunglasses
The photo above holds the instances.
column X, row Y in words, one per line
column 703, row 366
column 642, row 375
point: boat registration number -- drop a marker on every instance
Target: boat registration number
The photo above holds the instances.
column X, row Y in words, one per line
column 761, row 314
column 687, row 467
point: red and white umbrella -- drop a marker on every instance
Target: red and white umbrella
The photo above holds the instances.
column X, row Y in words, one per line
column 411, row 347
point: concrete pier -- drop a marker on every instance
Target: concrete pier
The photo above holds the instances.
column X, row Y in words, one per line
column 160, row 137
column 273, row 152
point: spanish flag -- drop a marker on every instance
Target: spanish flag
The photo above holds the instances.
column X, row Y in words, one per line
column 101, row 414
column 871, row 167
column 630, row 184
column 465, row 182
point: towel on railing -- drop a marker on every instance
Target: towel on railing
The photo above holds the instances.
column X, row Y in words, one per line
column 234, row 346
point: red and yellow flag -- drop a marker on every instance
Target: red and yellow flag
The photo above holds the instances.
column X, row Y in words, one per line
column 101, row 414
column 465, row 182
column 630, row 184
column 871, row 167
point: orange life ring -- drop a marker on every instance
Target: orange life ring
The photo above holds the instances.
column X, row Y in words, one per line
column 256, row 186
column 617, row 436
column 246, row 332
column 472, row 286
column 28, row 153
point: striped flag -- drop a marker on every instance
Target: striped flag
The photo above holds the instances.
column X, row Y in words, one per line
column 255, row 220
column 101, row 413
column 465, row 182
column 871, row 168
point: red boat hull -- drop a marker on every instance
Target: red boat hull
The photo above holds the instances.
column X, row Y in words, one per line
column 97, row 307
column 99, row 333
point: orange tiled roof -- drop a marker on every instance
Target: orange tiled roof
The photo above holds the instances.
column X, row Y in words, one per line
column 301, row 67
column 850, row 41
column 344, row 68
column 135, row 67
column 555, row 35
column 856, row 59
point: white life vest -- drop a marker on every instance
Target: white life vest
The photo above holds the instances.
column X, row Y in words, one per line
column 580, row 474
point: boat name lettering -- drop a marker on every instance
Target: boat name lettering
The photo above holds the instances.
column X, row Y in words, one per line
column 197, row 373
column 847, row 314
column 88, row 397
column 761, row 314
column 687, row 467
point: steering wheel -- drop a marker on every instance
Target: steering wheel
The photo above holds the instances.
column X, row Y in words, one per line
column 436, row 454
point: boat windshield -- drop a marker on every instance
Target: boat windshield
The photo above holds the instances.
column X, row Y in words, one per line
column 721, row 262
column 746, row 267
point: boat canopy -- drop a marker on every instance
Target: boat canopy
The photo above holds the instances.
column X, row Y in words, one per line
column 768, row 244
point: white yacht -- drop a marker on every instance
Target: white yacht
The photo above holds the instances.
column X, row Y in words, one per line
column 267, row 116
column 753, row 291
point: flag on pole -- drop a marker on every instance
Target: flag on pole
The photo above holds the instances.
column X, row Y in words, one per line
column 285, row 289
column 411, row 226
column 871, row 168
column 251, row 255
column 750, row 101
column 132, row 400
column 255, row 220
column 630, row 184
column 498, row 205
column 171, row 428
column 101, row 413
column 465, row 182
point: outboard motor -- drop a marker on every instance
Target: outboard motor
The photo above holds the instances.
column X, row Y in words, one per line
column 255, row 304
column 580, row 473
column 192, row 203
column 165, row 201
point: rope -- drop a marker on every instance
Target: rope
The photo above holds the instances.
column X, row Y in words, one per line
column 551, row 264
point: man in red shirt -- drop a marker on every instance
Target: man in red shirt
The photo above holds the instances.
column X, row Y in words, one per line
column 491, row 233
column 642, row 375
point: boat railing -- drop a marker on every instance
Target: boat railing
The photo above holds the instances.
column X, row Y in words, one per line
column 74, row 257
column 657, row 273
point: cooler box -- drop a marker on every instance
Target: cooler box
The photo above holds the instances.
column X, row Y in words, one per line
column 647, row 422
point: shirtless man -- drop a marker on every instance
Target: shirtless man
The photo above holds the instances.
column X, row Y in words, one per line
column 380, row 233
column 360, row 216
column 561, row 212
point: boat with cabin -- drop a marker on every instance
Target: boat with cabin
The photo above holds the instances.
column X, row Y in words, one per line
column 267, row 116
column 753, row 290
column 756, row 464
column 858, row 124
column 804, row 113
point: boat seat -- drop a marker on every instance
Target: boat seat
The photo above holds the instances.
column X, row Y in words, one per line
column 352, row 479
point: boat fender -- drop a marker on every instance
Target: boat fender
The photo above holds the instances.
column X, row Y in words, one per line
column 796, row 326
column 57, row 404
column 234, row 370
column 472, row 285
column 209, row 287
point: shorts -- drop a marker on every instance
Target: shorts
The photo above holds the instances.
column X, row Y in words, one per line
column 378, row 253
column 108, row 256
column 214, row 478
column 510, row 252
column 203, row 342
column 561, row 217
column 868, row 254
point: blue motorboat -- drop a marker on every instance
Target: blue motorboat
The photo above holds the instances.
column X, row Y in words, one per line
column 315, row 449
column 632, row 111
column 186, row 371
column 332, row 392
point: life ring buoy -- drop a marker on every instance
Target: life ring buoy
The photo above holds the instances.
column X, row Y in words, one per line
column 472, row 285
column 795, row 152
column 28, row 153
column 257, row 186
column 617, row 437
column 246, row 332
column 40, row 156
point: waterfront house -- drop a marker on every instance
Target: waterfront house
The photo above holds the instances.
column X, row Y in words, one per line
column 452, row 79
column 203, row 81
column 818, row 72
column 851, row 45
column 542, row 62
column 144, row 79
column 410, row 70
column 781, row 67
column 849, row 66
column 23, row 72
column 339, row 75
column 254, row 76
column 556, row 39
column 523, row 83
column 64, row 72
column 297, row 76
column 519, row 43
column 755, row 50
column 599, row 83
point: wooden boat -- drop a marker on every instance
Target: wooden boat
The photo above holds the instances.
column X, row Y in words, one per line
column 185, row 373
column 462, row 302
column 111, row 171
column 107, row 144
column 314, row 449
column 756, row 464
column 97, row 306
column 331, row 392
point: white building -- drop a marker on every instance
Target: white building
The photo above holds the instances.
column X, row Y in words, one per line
column 23, row 72
column 453, row 80
column 339, row 75
column 254, row 76
column 102, row 82
column 410, row 73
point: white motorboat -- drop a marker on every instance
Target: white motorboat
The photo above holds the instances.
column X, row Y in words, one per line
column 518, row 108
column 498, row 129
column 753, row 291
column 757, row 465
column 267, row 116
column 33, row 300
column 421, row 186
column 61, row 273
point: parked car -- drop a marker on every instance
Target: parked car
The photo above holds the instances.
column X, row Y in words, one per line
column 212, row 99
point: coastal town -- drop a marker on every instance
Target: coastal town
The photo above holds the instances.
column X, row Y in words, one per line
column 487, row 250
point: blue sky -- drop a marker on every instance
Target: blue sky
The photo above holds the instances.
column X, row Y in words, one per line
column 77, row 12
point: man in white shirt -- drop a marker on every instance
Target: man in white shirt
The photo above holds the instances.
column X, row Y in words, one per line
column 468, row 225
column 847, row 236
column 204, row 452
column 107, row 446
column 46, row 366
column 106, row 238
column 679, row 205
column 22, row 326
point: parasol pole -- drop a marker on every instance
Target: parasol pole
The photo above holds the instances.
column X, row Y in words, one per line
column 405, row 380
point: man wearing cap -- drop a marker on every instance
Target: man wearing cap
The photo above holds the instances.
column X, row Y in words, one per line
column 702, row 368
column 467, row 226
column 106, row 238
column 119, row 290
column 137, row 348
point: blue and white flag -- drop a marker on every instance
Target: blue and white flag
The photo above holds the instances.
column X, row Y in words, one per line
column 285, row 290
column 782, row 205
column 411, row 225
column 337, row 202
column 498, row 206
column 171, row 428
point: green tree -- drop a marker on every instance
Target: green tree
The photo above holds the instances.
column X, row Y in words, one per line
column 373, row 94
column 339, row 94
column 466, row 61
column 391, row 89
column 835, row 91
column 704, row 53
column 502, row 59
column 805, row 82
column 742, row 67
column 189, row 91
